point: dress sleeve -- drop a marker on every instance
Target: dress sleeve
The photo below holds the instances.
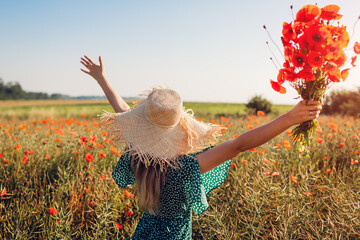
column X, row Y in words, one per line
column 199, row 186
column 123, row 174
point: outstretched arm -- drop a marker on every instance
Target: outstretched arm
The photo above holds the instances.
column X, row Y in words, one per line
column 258, row 136
column 98, row 73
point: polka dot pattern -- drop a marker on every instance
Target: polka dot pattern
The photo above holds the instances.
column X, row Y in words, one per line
column 185, row 189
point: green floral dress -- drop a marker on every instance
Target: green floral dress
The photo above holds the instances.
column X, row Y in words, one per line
column 185, row 189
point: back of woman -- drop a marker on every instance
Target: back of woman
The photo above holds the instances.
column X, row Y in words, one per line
column 171, row 157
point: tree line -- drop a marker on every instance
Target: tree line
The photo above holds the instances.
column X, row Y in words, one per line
column 10, row 91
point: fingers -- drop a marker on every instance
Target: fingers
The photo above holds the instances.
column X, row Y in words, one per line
column 87, row 72
column 86, row 64
column 87, row 58
column 100, row 61
column 85, row 61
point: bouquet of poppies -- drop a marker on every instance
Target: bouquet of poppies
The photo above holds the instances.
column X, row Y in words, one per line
column 314, row 45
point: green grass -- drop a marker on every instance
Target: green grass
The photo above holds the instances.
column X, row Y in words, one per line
column 201, row 109
column 313, row 196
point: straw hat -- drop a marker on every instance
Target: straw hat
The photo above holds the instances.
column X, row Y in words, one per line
column 159, row 130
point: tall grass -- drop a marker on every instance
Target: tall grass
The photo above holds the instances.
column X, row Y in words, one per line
column 271, row 192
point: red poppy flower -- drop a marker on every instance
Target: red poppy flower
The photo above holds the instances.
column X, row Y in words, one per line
column 308, row 13
column 345, row 74
column 340, row 61
column 298, row 59
column 83, row 140
column 316, row 36
column 3, row 192
column 333, row 72
column 329, row 12
column 53, row 211
column 357, row 48
column 332, row 51
column 101, row 154
column 118, row 225
column 319, row 140
column 89, row 157
column 277, row 87
column 307, row 74
column 288, row 32
column 353, row 59
column 289, row 53
column 315, row 59
column 286, row 74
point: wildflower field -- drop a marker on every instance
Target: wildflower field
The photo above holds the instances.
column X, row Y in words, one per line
column 55, row 179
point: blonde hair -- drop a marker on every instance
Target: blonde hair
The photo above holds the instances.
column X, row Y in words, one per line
column 149, row 182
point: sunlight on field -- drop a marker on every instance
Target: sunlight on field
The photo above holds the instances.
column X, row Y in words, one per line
column 55, row 180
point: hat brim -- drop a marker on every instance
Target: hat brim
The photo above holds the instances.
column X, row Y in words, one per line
column 146, row 138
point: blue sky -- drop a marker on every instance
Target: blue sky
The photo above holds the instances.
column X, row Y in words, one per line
column 207, row 50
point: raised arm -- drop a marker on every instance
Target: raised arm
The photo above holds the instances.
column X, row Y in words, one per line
column 258, row 136
column 98, row 73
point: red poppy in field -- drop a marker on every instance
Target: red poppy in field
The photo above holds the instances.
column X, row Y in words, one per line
column 354, row 161
column 47, row 157
column 315, row 59
column 308, row 13
column 266, row 160
column 275, row 174
column 260, row 113
column 1, row 156
column 308, row 193
column 319, row 140
column 130, row 213
column 17, row 147
column 277, row 87
column 101, row 154
column 4, row 191
column 357, row 48
column 330, row 12
column 25, row 159
column 89, row 157
column 118, row 225
column 294, row 179
column 244, row 161
column 129, row 194
column 342, row 144
column 233, row 165
column 52, row 211
column 83, row 140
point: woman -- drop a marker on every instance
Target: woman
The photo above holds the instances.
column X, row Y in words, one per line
column 170, row 155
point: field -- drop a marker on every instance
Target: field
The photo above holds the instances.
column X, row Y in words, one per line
column 56, row 163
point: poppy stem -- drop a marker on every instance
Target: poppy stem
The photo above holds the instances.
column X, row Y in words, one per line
column 272, row 53
column 292, row 12
column 272, row 60
column 272, row 40
column 353, row 32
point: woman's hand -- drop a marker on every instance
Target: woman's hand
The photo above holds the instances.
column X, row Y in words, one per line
column 96, row 71
column 304, row 111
